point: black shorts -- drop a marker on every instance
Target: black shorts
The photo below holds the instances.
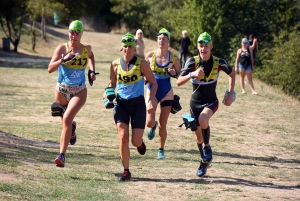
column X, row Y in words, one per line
column 133, row 109
column 196, row 108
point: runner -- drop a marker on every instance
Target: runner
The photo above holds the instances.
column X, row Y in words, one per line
column 203, row 71
column 127, row 73
column 70, row 59
column 163, row 65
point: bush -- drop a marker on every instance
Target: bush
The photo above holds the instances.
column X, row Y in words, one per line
column 281, row 69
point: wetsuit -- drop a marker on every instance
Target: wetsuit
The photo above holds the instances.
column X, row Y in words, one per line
column 161, row 76
column 204, row 88
column 130, row 103
column 71, row 76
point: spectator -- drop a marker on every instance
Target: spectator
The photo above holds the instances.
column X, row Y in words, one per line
column 253, row 44
column 244, row 62
column 184, row 43
column 140, row 46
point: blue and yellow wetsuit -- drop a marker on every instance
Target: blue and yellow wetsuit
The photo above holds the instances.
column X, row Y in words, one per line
column 130, row 102
column 73, row 72
column 71, row 76
column 161, row 76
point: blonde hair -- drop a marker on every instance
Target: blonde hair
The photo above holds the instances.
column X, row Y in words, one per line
column 184, row 31
column 137, row 33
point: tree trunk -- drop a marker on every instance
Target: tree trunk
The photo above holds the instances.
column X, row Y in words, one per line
column 43, row 24
column 33, row 35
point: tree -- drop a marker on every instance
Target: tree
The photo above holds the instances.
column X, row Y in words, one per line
column 133, row 12
column 11, row 19
column 281, row 69
column 42, row 9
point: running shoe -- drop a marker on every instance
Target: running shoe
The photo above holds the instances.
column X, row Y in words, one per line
column 142, row 149
column 73, row 137
column 202, row 169
column 151, row 132
column 126, row 176
column 161, row 154
column 207, row 154
column 60, row 161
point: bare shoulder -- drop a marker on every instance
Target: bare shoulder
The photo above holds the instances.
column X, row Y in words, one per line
column 149, row 54
column 88, row 47
column 114, row 63
column 61, row 49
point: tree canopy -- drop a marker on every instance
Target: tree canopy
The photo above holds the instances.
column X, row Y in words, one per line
column 228, row 21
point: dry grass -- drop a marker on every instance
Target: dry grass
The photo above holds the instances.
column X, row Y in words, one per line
column 255, row 143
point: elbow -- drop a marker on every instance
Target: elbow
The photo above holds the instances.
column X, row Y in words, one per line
column 178, row 83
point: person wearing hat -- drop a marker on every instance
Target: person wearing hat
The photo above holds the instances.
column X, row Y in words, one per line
column 127, row 74
column 140, row 45
column 203, row 71
column 71, row 59
column 164, row 65
column 244, row 62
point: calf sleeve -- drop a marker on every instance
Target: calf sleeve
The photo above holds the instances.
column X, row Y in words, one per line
column 206, row 135
column 200, row 150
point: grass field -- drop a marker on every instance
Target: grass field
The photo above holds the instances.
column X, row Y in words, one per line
column 255, row 142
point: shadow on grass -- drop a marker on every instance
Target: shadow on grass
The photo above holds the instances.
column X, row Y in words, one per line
column 207, row 180
column 18, row 149
column 238, row 181
column 238, row 156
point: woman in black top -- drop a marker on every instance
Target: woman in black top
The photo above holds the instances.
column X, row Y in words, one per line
column 245, row 62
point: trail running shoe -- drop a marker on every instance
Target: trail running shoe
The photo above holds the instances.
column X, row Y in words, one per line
column 142, row 149
column 60, row 161
column 161, row 154
column 151, row 132
column 73, row 137
column 207, row 154
column 126, row 176
column 202, row 169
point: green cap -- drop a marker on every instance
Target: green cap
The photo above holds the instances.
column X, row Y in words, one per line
column 204, row 38
column 76, row 25
column 128, row 39
column 165, row 32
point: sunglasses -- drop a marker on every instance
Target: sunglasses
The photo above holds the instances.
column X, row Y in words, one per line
column 204, row 41
column 77, row 32
column 129, row 40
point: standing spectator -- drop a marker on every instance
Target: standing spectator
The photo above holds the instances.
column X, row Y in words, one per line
column 245, row 63
column 70, row 91
column 184, row 43
column 203, row 72
column 140, row 46
column 127, row 74
column 253, row 44
column 164, row 65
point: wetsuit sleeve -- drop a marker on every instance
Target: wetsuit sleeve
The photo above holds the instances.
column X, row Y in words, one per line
column 190, row 66
column 223, row 65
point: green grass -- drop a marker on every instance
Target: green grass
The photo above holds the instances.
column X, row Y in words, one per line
column 255, row 142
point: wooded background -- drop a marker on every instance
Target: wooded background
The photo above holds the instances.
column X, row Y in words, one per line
column 276, row 24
